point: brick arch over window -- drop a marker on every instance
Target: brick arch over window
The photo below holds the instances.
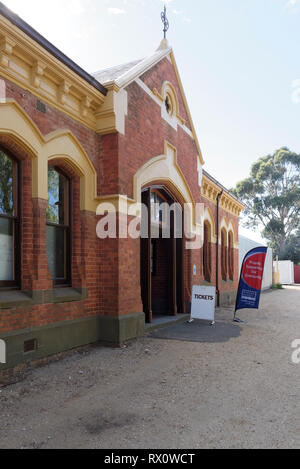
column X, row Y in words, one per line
column 210, row 218
column 16, row 125
column 73, row 174
column 13, row 145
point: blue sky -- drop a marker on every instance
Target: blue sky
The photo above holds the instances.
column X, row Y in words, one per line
column 238, row 61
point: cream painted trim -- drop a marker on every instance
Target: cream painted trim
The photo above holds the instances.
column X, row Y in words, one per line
column 186, row 107
column 27, row 64
column 209, row 217
column 142, row 67
column 236, row 243
column 159, row 100
column 119, row 204
column 62, row 144
column 163, row 169
column 210, row 191
column 112, row 115
column 228, row 226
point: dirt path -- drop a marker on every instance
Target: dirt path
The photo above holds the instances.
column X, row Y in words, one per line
column 239, row 392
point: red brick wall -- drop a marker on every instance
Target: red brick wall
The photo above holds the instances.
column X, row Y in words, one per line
column 85, row 244
column 155, row 78
column 144, row 139
column 228, row 285
column 145, row 134
column 110, row 269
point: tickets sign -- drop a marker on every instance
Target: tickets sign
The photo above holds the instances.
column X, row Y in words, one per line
column 203, row 303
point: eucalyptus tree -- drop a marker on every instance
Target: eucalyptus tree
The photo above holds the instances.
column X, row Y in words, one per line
column 272, row 198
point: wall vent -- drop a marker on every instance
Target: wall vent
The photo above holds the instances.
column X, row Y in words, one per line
column 30, row 346
column 41, row 106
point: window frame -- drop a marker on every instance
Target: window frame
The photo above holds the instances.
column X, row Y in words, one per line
column 224, row 255
column 207, row 255
column 67, row 281
column 16, row 283
column 231, row 255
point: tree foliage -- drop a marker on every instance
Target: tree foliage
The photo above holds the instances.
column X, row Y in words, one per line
column 272, row 198
column 6, row 185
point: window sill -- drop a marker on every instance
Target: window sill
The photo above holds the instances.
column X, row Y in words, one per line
column 18, row 298
column 205, row 283
column 67, row 295
column 13, row 298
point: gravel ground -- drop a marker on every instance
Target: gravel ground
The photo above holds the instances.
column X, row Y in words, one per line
column 241, row 392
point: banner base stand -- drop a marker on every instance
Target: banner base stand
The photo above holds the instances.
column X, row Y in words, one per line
column 192, row 320
column 238, row 321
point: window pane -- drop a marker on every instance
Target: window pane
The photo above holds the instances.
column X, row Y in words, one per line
column 156, row 207
column 53, row 193
column 58, row 187
column 56, row 251
column 6, row 250
column 6, row 185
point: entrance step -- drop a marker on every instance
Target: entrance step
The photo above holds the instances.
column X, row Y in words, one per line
column 160, row 322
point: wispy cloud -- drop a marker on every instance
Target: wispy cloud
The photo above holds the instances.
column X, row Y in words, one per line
column 292, row 5
column 116, row 11
column 296, row 91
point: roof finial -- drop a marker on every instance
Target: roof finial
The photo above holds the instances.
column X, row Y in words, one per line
column 165, row 21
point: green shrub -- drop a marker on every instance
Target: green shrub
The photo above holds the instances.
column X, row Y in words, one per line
column 277, row 286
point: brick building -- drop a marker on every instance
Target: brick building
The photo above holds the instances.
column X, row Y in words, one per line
column 75, row 149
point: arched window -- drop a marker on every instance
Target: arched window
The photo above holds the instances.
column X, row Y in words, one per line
column 224, row 256
column 207, row 252
column 59, row 227
column 9, row 221
column 230, row 255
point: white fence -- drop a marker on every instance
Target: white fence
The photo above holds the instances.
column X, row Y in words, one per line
column 286, row 272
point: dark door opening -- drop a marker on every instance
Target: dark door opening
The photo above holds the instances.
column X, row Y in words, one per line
column 162, row 259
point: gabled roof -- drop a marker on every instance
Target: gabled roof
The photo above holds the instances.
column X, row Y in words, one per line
column 113, row 73
column 123, row 75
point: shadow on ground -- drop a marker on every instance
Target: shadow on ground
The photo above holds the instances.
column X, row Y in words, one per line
column 199, row 331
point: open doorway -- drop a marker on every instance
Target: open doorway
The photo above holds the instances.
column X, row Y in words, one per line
column 162, row 254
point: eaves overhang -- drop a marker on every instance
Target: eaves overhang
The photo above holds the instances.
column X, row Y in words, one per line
column 33, row 34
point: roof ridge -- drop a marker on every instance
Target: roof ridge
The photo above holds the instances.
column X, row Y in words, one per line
column 117, row 66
